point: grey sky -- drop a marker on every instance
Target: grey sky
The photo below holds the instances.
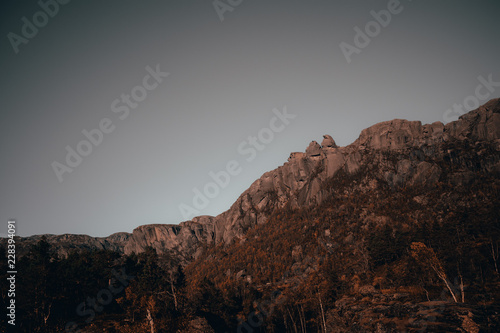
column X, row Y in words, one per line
column 225, row 79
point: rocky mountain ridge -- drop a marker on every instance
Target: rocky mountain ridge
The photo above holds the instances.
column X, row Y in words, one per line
column 398, row 152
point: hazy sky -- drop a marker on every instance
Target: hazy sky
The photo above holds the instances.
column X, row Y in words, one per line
column 75, row 70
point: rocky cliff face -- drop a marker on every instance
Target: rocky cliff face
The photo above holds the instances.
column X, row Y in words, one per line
column 398, row 152
column 182, row 239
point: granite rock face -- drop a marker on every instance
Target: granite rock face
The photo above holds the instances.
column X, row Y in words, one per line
column 398, row 152
column 482, row 124
column 181, row 239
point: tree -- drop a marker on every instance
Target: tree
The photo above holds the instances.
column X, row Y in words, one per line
column 427, row 258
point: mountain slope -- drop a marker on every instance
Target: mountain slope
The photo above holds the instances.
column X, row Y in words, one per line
column 403, row 238
column 299, row 182
column 422, row 152
column 398, row 231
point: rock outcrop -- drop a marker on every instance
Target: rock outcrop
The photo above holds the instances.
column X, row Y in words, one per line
column 402, row 314
column 328, row 142
column 181, row 239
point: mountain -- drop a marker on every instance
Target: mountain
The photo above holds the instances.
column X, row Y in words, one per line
column 398, row 152
column 397, row 232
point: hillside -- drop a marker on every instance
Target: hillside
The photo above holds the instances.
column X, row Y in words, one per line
column 398, row 231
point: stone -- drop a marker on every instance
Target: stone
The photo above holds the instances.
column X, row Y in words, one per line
column 314, row 149
column 328, row 142
column 367, row 290
column 427, row 174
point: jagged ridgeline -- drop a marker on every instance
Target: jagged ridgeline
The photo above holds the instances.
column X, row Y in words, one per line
column 398, row 231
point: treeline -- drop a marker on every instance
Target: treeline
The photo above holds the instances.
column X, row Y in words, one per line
column 89, row 289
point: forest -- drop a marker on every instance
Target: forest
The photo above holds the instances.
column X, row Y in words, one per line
column 369, row 258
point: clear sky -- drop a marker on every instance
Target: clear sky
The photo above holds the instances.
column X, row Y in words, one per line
column 71, row 67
